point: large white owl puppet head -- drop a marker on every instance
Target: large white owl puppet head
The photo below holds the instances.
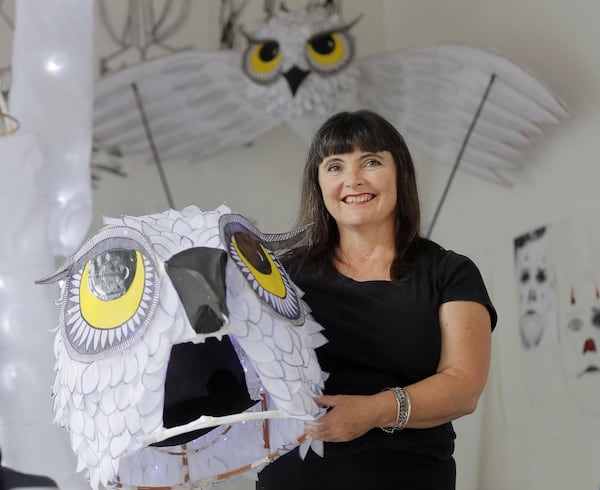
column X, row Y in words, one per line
column 184, row 353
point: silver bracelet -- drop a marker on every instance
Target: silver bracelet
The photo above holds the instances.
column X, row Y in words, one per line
column 404, row 407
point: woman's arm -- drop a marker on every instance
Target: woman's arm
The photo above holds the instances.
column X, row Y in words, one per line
column 450, row 393
column 463, row 368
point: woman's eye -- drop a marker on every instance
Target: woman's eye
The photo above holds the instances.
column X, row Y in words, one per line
column 373, row 163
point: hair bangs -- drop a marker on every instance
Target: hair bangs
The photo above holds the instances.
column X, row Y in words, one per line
column 349, row 135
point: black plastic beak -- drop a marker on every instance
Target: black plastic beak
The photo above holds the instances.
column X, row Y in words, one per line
column 294, row 77
column 198, row 275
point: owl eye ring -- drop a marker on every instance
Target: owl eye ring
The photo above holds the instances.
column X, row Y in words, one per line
column 110, row 293
column 330, row 51
column 260, row 268
column 262, row 59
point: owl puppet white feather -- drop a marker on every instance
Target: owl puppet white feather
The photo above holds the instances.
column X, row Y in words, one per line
column 184, row 353
column 300, row 67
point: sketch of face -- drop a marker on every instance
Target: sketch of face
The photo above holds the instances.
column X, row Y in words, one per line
column 580, row 344
column 535, row 275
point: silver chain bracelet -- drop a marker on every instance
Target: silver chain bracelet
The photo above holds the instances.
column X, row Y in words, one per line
column 404, row 407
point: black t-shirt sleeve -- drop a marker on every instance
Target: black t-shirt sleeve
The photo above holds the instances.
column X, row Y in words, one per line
column 460, row 280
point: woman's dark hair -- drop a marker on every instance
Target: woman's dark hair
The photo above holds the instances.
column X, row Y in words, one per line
column 343, row 133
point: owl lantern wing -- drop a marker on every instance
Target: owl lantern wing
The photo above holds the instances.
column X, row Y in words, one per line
column 179, row 336
column 431, row 94
column 195, row 104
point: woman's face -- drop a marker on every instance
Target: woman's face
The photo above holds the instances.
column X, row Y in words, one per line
column 359, row 188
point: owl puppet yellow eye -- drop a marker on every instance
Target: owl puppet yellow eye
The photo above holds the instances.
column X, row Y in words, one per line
column 250, row 251
column 259, row 263
column 261, row 61
column 111, row 288
column 330, row 51
column 110, row 293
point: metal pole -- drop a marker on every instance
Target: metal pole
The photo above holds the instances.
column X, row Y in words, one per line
column 460, row 154
column 161, row 171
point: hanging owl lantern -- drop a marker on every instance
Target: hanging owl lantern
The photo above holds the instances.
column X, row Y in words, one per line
column 300, row 67
column 184, row 353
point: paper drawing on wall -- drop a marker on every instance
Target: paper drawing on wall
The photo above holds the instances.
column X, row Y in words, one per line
column 180, row 336
column 301, row 66
column 578, row 271
column 536, row 286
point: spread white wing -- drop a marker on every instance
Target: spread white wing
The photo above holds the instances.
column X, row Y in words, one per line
column 195, row 103
column 432, row 94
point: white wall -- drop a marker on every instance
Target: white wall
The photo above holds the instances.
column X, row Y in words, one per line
column 529, row 440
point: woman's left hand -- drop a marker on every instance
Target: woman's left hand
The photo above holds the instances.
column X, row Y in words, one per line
column 348, row 417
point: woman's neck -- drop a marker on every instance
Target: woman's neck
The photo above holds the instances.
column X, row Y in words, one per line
column 365, row 257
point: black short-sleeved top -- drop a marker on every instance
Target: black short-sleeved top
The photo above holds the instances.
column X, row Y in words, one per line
column 383, row 333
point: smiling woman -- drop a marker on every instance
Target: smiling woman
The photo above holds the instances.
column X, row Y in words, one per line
column 408, row 323
column 359, row 188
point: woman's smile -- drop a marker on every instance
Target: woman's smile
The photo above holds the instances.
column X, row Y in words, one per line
column 357, row 199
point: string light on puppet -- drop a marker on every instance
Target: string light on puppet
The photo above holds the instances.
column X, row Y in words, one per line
column 454, row 101
column 185, row 354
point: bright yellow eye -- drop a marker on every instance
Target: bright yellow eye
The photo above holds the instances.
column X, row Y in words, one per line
column 262, row 60
column 330, row 51
column 258, row 261
column 108, row 307
column 250, row 253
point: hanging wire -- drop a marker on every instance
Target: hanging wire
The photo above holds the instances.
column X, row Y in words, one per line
column 228, row 21
column 5, row 71
column 329, row 6
column 142, row 29
column 4, row 15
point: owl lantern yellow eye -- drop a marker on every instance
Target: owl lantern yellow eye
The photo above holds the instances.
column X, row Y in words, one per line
column 110, row 294
column 112, row 288
column 259, row 263
column 329, row 52
column 262, row 60
column 261, row 269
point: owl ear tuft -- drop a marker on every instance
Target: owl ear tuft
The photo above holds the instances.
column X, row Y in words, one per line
column 228, row 223
column 281, row 241
column 52, row 278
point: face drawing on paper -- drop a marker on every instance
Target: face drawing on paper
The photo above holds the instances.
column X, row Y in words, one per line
column 580, row 341
column 536, row 283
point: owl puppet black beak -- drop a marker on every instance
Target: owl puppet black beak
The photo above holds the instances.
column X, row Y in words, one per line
column 198, row 275
column 294, row 77
column 204, row 378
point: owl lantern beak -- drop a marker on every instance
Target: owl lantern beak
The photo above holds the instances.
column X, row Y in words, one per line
column 294, row 77
column 198, row 276
column 204, row 378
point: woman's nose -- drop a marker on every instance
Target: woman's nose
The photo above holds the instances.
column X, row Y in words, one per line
column 354, row 178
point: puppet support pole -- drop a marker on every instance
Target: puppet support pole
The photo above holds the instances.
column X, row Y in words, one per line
column 460, row 153
column 161, row 172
